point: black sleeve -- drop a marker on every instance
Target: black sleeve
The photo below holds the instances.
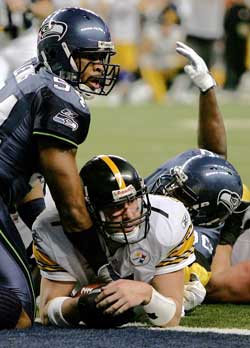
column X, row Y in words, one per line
column 59, row 118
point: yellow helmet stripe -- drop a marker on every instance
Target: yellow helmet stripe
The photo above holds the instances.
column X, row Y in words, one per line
column 245, row 194
column 113, row 167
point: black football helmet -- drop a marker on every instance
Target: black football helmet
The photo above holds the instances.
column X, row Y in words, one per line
column 209, row 186
column 72, row 33
column 110, row 181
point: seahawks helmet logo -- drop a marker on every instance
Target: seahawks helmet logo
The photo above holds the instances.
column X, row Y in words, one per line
column 52, row 28
column 67, row 118
column 231, row 200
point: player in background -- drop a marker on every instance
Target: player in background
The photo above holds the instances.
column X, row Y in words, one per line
column 183, row 178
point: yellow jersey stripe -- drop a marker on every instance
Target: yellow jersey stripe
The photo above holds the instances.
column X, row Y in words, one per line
column 185, row 244
column 176, row 260
column 113, row 167
column 44, row 262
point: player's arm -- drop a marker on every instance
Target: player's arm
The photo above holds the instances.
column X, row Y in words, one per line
column 59, row 167
column 56, row 306
column 231, row 285
column 211, row 128
column 171, row 286
column 161, row 300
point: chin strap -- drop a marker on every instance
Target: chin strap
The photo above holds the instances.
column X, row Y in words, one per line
column 87, row 95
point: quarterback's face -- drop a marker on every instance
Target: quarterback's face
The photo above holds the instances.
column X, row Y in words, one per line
column 92, row 69
column 126, row 216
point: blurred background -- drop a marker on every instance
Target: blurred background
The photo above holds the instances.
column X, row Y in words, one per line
column 152, row 112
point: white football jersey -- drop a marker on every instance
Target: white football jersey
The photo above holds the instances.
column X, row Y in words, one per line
column 168, row 246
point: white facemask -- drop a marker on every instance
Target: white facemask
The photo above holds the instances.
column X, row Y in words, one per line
column 132, row 237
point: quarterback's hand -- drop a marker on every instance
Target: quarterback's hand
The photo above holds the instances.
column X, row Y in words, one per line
column 196, row 69
column 118, row 296
column 93, row 316
column 194, row 293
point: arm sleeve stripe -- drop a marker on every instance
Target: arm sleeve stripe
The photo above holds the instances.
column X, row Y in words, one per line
column 57, row 137
column 186, row 243
column 176, row 260
column 44, row 262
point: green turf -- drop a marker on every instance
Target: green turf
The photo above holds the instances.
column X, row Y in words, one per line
column 148, row 135
column 219, row 315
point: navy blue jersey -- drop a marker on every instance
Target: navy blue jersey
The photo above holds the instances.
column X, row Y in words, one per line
column 205, row 242
column 35, row 102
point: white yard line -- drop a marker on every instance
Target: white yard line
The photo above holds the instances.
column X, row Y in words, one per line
column 192, row 329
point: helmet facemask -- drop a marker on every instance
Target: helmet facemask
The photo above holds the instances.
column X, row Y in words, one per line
column 174, row 185
column 106, row 79
column 205, row 209
column 70, row 34
column 128, row 231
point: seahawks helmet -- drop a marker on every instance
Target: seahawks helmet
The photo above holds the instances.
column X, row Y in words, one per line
column 209, row 186
column 109, row 182
column 72, row 33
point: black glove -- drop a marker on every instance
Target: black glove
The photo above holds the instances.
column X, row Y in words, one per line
column 93, row 317
column 232, row 229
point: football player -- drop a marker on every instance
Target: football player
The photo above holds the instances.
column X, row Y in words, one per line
column 183, row 178
column 44, row 117
column 211, row 189
column 148, row 240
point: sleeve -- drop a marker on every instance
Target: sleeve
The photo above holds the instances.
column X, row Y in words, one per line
column 50, row 269
column 60, row 119
column 181, row 254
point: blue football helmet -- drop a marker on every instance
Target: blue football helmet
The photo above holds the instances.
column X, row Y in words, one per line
column 209, row 186
column 69, row 34
column 110, row 181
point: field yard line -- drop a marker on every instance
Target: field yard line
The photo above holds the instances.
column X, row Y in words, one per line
column 192, row 329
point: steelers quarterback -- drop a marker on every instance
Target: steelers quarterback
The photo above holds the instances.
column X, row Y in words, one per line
column 148, row 240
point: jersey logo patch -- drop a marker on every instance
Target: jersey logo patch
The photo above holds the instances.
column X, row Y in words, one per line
column 185, row 221
column 140, row 257
column 231, row 200
column 67, row 118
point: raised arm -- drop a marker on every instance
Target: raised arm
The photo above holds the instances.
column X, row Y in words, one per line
column 211, row 128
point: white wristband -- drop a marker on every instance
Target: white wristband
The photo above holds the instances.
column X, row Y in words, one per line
column 55, row 312
column 160, row 309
